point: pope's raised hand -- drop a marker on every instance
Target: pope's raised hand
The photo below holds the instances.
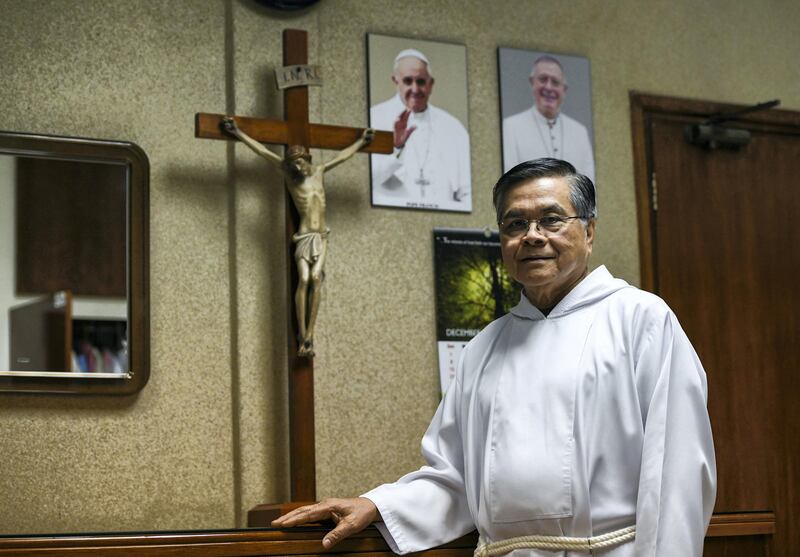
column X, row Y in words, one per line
column 350, row 515
column 401, row 129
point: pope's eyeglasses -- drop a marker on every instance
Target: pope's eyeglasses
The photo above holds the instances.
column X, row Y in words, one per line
column 420, row 81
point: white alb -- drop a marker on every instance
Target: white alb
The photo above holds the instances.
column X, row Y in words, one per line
column 587, row 420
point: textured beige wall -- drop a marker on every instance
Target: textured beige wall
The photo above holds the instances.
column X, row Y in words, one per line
column 205, row 440
column 135, row 71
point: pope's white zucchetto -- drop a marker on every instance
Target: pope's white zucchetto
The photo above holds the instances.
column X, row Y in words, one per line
column 412, row 53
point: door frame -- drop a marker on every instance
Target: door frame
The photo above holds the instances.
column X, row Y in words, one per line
column 646, row 108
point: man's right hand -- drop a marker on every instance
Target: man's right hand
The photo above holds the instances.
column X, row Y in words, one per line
column 401, row 130
column 350, row 515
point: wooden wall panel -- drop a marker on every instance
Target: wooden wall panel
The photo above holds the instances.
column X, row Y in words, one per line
column 71, row 227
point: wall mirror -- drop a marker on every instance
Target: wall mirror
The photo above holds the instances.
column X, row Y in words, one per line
column 74, row 309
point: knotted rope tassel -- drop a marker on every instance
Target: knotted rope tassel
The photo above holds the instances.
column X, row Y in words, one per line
column 556, row 543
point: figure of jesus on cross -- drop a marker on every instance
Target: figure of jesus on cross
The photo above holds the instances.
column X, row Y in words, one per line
column 306, row 227
column 305, row 184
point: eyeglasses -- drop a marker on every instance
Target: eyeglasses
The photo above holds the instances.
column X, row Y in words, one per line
column 420, row 81
column 554, row 81
column 550, row 225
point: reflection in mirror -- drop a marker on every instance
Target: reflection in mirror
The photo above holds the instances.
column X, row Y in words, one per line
column 63, row 231
column 73, row 265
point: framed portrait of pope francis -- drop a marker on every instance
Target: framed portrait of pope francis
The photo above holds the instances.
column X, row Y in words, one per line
column 418, row 92
column 546, row 108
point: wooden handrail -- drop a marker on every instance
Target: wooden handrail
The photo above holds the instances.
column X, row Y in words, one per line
column 269, row 541
column 221, row 543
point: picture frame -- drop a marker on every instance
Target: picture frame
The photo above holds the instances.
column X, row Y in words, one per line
column 540, row 117
column 417, row 89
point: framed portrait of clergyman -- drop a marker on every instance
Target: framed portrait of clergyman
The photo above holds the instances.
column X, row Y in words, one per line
column 546, row 108
column 418, row 92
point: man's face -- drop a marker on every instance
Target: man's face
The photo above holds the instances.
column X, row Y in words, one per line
column 414, row 84
column 549, row 88
column 547, row 264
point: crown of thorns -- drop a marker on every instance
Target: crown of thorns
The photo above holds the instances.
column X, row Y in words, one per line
column 296, row 152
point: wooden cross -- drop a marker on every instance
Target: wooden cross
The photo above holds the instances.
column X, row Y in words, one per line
column 295, row 130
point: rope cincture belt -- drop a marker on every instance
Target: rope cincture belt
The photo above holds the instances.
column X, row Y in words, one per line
column 557, row 543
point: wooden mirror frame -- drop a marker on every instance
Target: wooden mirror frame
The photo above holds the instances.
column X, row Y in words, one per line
column 138, row 263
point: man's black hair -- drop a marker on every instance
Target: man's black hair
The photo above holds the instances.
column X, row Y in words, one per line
column 582, row 192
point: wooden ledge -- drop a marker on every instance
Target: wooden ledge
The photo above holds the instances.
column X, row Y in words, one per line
column 213, row 543
column 741, row 524
column 297, row 541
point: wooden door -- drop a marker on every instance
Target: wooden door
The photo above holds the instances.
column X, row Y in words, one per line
column 71, row 227
column 720, row 242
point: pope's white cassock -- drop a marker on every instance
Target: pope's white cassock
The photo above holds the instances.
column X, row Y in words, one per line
column 585, row 421
column 432, row 168
column 528, row 135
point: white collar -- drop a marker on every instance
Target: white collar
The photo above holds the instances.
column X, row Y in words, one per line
column 542, row 119
column 593, row 287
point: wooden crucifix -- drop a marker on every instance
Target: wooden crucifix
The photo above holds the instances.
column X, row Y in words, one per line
column 298, row 135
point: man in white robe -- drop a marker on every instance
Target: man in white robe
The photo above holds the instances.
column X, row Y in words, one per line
column 543, row 130
column 430, row 165
column 580, row 413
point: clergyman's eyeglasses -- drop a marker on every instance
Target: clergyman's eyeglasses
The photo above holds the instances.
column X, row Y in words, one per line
column 516, row 227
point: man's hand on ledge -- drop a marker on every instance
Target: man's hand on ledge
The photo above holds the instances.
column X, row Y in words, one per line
column 350, row 515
